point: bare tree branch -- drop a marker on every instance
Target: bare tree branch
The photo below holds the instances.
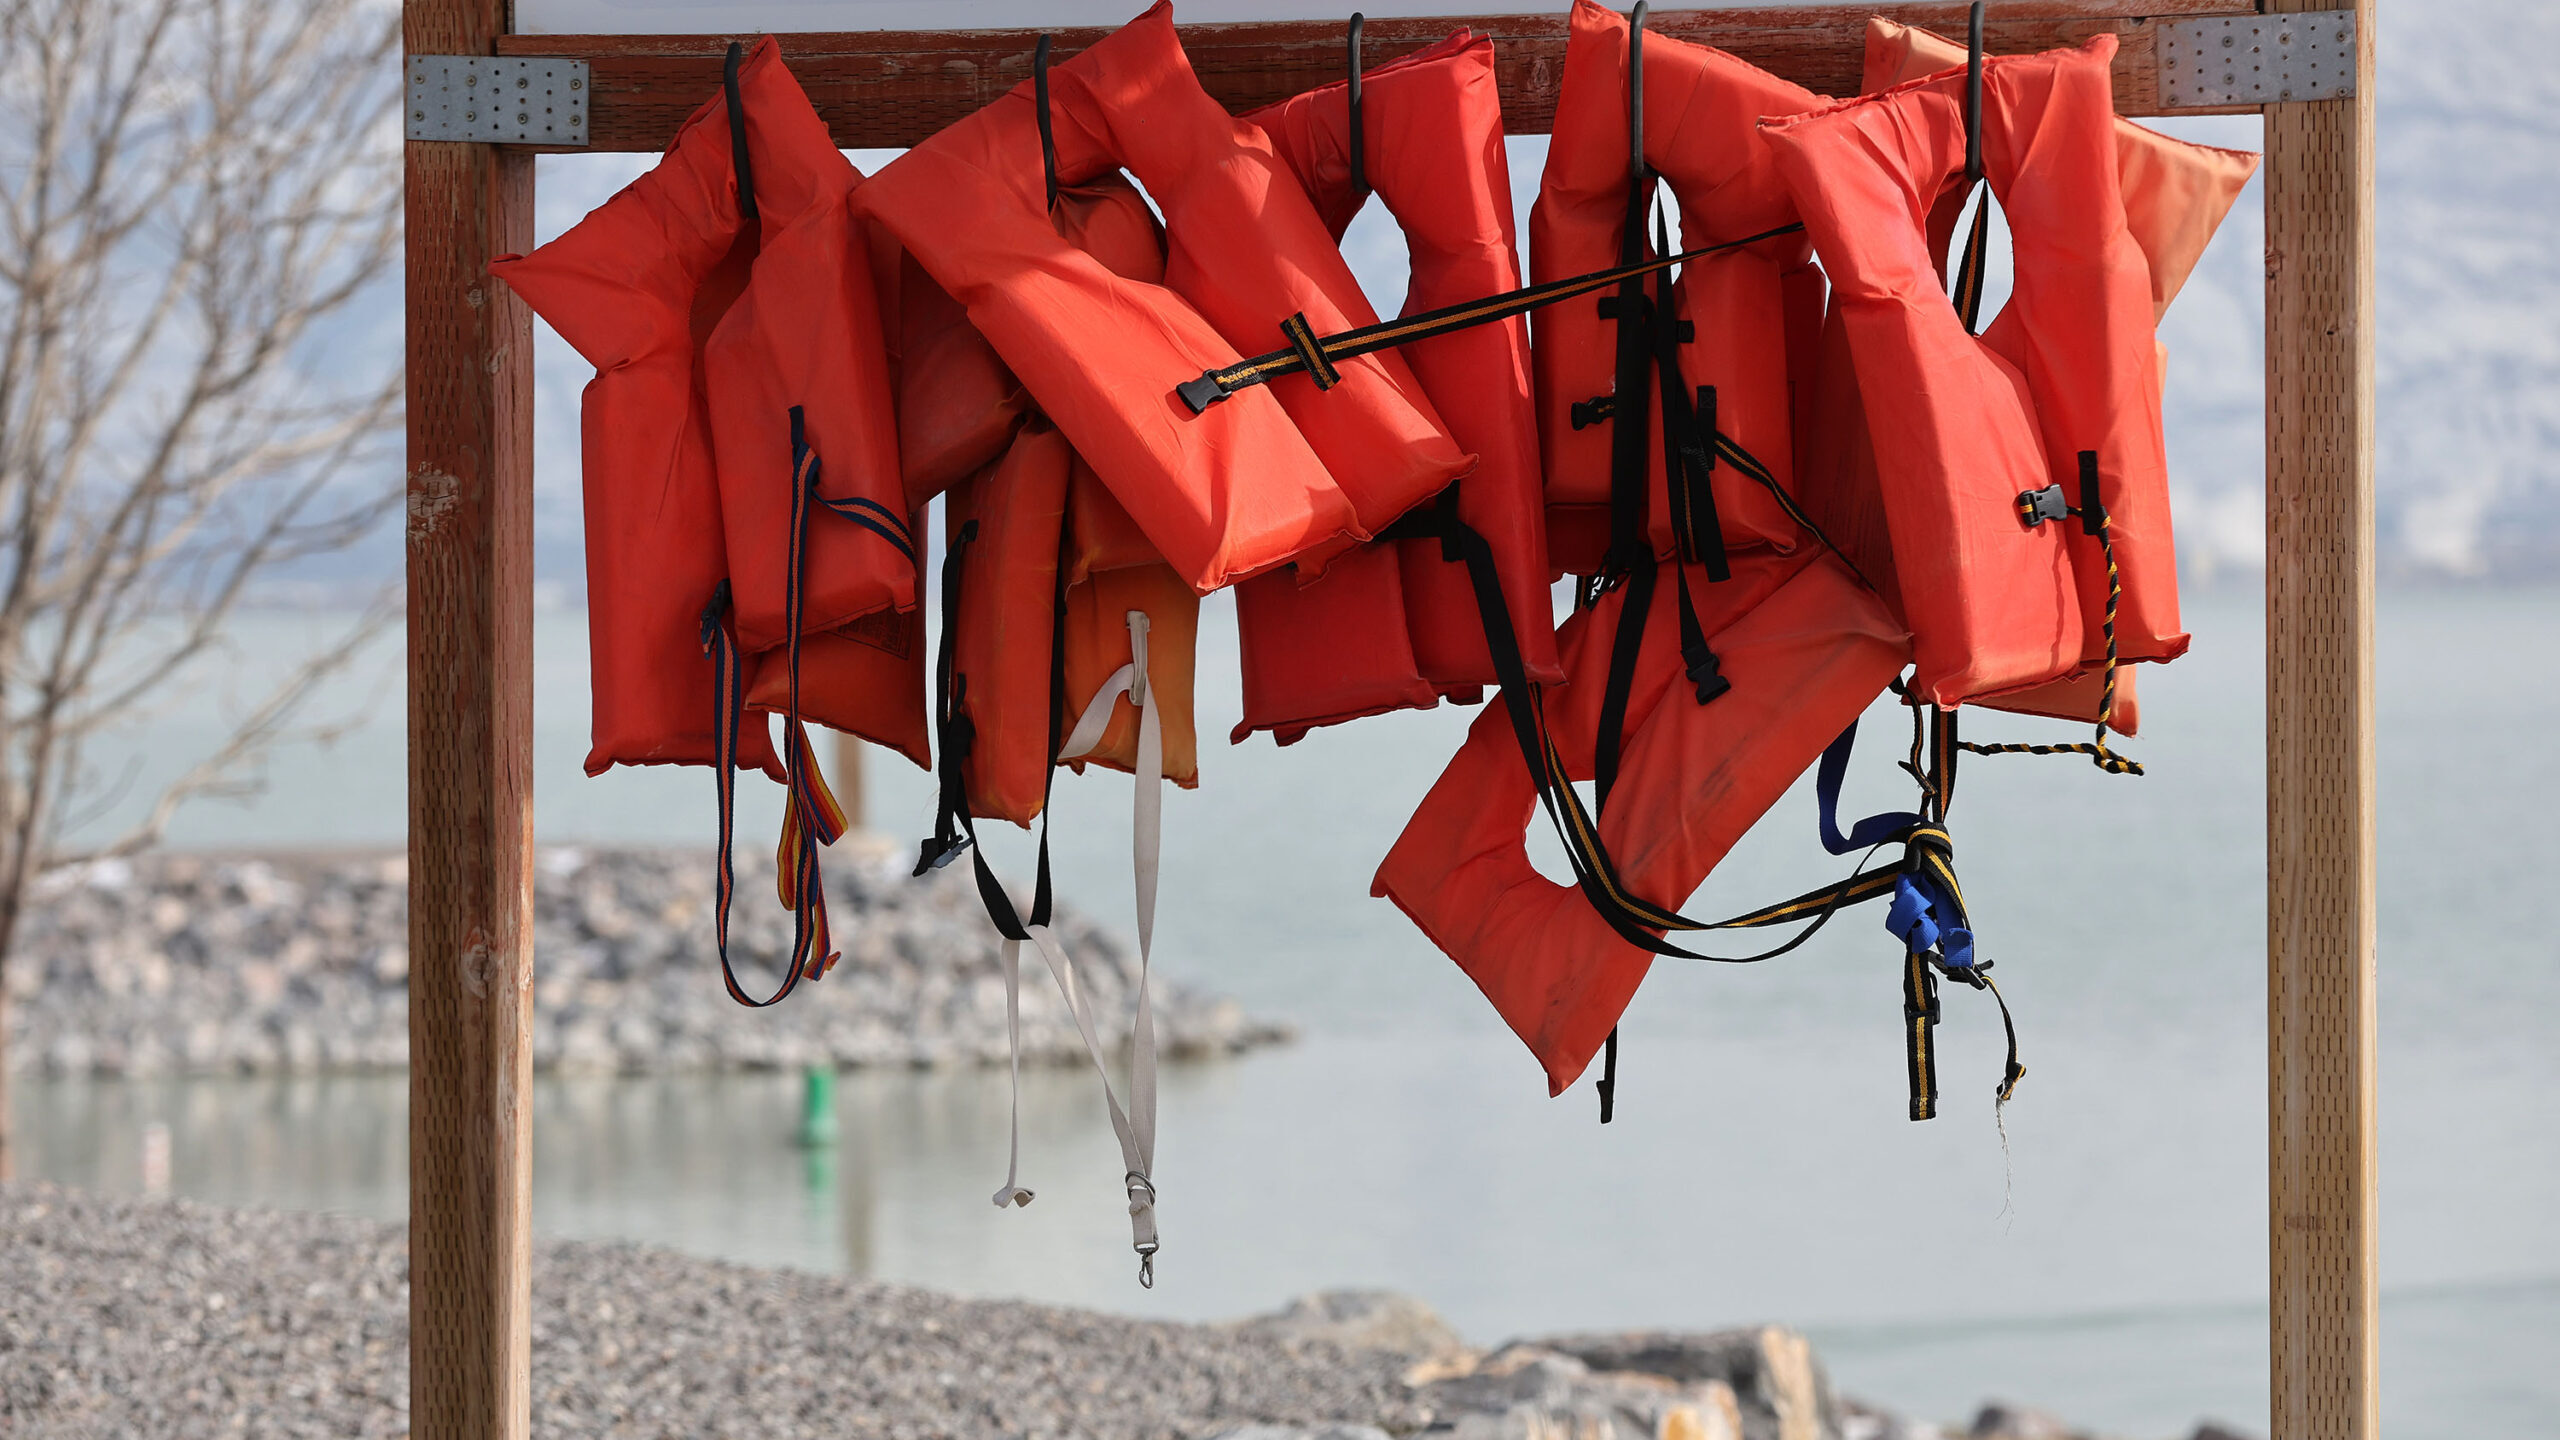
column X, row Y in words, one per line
column 198, row 198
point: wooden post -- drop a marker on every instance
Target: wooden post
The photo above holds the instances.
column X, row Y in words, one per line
column 2320, row 817
column 470, row 532
column 848, row 781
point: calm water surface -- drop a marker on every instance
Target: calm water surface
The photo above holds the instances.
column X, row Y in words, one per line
column 2108, row 1261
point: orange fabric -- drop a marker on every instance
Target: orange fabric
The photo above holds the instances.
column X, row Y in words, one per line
column 636, row 287
column 1100, row 534
column 1806, row 648
column 1963, row 426
column 1259, row 477
column 2175, row 192
column 865, row 678
column 1393, row 625
column 1004, row 633
column 1098, row 644
column 805, row 333
column 1700, row 109
column 958, row 405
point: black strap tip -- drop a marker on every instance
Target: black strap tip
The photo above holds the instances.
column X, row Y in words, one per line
column 1587, row 413
column 936, row 852
column 1202, row 393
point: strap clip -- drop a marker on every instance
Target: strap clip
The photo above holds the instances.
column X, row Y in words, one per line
column 2037, row 506
column 1587, row 413
column 1202, row 393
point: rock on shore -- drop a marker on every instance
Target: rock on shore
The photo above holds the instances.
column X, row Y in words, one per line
column 187, row 964
column 125, row 1317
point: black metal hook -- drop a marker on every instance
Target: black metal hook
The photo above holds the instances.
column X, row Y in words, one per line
column 1973, row 95
column 1040, row 97
column 1359, row 143
column 1635, row 93
column 738, row 133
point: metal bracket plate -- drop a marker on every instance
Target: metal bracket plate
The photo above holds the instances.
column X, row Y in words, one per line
column 507, row 100
column 2257, row 59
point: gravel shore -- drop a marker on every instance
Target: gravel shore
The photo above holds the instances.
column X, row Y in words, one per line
column 123, row 1317
column 206, row 965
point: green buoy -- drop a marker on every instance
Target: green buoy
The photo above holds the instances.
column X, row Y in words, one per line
column 818, row 1107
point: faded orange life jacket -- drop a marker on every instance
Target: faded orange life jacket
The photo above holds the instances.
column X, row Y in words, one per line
column 1248, row 485
column 1394, row 625
column 637, row 287
column 1806, row 648
column 1964, row 428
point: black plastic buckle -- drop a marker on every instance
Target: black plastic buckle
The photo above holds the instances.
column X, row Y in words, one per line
column 1587, row 413
column 1707, row 676
column 937, row 852
column 1202, row 393
column 2037, row 506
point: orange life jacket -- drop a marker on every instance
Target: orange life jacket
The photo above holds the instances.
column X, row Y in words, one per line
column 1701, row 107
column 804, row 334
column 957, row 403
column 1003, row 527
column 637, row 287
column 1112, row 570
column 1255, row 481
column 1041, row 507
column 1805, row 646
column 2176, row 194
column 1393, row 625
column 1967, row 429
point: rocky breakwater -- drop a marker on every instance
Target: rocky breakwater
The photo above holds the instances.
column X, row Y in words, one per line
column 193, row 964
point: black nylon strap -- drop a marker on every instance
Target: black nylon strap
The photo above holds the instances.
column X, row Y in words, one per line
column 1040, row 99
column 746, row 175
column 1631, row 918
column 1216, row 385
column 1359, row 144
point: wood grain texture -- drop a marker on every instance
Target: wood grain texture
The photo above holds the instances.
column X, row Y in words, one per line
column 470, row 629
column 890, row 89
column 2320, row 778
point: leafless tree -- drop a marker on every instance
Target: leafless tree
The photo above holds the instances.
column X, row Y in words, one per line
column 198, row 199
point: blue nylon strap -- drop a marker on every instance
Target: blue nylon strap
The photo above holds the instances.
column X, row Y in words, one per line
column 1915, row 917
column 1875, row 829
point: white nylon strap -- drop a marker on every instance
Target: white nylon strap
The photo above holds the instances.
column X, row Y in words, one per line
column 1134, row 1126
column 1009, row 955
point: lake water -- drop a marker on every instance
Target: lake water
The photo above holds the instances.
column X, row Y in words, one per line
column 2108, row 1262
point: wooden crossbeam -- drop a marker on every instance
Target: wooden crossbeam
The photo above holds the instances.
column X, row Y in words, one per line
column 892, row 89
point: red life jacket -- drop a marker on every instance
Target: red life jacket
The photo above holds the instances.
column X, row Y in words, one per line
column 1701, row 110
column 1805, row 646
column 805, row 334
column 637, row 287
column 864, row 677
column 1003, row 526
column 1393, row 625
column 1244, row 486
column 1965, row 428
column 957, row 403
